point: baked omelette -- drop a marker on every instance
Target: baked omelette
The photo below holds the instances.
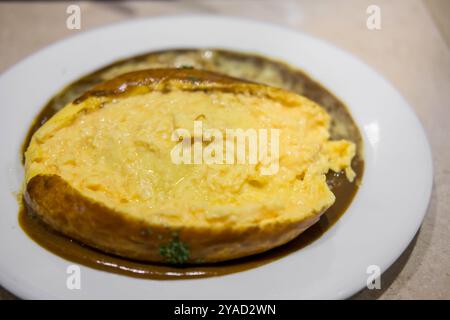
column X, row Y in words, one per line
column 100, row 170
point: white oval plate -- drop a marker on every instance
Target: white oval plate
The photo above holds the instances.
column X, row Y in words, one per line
column 383, row 218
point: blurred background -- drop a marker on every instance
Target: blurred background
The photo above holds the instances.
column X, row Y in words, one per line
column 411, row 49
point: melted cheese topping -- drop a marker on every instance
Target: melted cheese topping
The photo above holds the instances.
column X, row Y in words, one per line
column 117, row 152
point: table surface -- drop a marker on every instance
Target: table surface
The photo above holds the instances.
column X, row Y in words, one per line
column 412, row 51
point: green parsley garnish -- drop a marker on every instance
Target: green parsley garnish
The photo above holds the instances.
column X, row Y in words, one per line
column 175, row 251
column 193, row 79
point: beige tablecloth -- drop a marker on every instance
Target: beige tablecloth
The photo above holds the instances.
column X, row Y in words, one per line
column 411, row 50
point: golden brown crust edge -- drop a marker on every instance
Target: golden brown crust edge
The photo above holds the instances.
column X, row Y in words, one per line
column 186, row 79
column 158, row 79
column 69, row 212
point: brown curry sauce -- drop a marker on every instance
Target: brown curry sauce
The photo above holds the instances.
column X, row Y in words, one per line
column 293, row 80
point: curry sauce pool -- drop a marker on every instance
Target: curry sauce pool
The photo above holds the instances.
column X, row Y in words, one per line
column 256, row 69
